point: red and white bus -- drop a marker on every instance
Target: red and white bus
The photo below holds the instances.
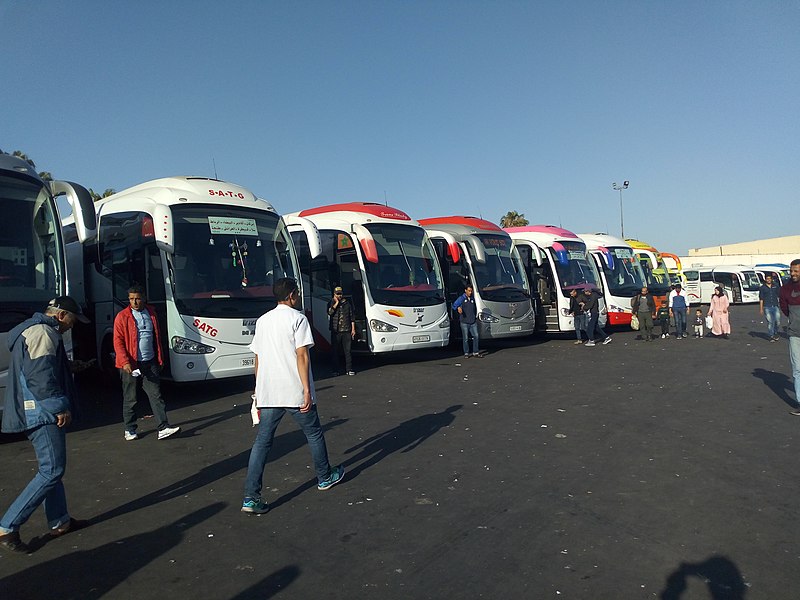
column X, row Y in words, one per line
column 556, row 261
column 620, row 273
column 386, row 266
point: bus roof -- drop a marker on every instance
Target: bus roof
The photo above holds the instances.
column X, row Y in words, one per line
column 593, row 240
column 461, row 225
column 363, row 209
column 545, row 230
column 639, row 245
column 183, row 190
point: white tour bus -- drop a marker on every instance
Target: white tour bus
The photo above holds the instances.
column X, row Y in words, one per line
column 475, row 251
column 207, row 253
column 385, row 265
column 779, row 272
column 556, row 261
column 32, row 261
column 620, row 272
column 741, row 283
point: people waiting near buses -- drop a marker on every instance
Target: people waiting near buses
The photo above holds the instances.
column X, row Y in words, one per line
column 768, row 295
column 662, row 316
column 284, row 383
column 698, row 323
column 789, row 300
column 593, row 308
column 577, row 302
column 40, row 400
column 679, row 309
column 719, row 311
column 644, row 307
column 137, row 344
column 342, row 323
column 468, row 319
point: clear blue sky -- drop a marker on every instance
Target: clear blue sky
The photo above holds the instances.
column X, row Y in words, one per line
column 445, row 107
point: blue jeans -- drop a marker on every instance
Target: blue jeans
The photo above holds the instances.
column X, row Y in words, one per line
column 580, row 325
column 773, row 316
column 270, row 417
column 594, row 327
column 794, row 357
column 466, row 331
column 680, row 321
column 50, row 444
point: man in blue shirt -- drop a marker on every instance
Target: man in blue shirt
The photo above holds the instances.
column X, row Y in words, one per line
column 468, row 317
column 768, row 306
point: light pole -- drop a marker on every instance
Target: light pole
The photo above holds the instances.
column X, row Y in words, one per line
column 624, row 186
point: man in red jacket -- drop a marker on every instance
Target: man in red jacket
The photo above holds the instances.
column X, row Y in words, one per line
column 137, row 343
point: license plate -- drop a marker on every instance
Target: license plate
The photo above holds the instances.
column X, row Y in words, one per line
column 421, row 338
column 515, row 328
column 248, row 362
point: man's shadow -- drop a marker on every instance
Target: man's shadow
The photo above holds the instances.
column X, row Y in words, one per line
column 79, row 574
column 720, row 574
column 404, row 438
column 778, row 383
column 284, row 444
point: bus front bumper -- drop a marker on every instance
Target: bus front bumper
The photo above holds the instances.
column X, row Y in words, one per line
column 199, row 367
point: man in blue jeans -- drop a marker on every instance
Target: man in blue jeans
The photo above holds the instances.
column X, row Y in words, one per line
column 468, row 318
column 679, row 310
column 40, row 400
column 284, row 384
column 768, row 305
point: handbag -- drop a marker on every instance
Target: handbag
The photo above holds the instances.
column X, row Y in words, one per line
column 709, row 322
column 635, row 323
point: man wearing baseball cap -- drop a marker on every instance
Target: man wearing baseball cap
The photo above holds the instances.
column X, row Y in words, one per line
column 40, row 399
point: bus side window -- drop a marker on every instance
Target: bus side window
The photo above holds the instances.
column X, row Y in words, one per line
column 123, row 253
column 324, row 270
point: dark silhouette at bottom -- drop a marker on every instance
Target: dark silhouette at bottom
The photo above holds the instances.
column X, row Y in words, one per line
column 722, row 577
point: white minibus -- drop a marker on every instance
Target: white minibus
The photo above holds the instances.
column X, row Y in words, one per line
column 741, row 283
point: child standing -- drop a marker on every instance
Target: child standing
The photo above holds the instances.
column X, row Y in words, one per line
column 698, row 323
column 662, row 316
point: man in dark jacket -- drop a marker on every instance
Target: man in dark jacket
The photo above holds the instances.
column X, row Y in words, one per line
column 644, row 307
column 342, row 322
column 592, row 306
column 468, row 316
column 40, row 400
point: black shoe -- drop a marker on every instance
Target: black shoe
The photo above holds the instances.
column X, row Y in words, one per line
column 72, row 525
column 12, row 543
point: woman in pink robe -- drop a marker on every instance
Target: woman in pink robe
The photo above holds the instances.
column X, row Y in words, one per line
column 719, row 313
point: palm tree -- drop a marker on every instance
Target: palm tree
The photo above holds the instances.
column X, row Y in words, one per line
column 513, row 219
column 106, row 194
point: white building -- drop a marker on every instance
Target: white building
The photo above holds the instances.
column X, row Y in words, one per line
column 772, row 250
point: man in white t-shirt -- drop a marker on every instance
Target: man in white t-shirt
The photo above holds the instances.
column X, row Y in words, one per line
column 284, row 384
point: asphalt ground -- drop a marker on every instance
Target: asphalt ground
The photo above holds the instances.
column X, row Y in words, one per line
column 544, row 470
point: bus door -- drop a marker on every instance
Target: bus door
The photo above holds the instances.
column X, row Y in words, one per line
column 537, row 270
column 352, row 283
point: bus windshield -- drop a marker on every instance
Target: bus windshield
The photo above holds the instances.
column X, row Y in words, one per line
column 572, row 267
column 406, row 273
column 30, row 251
column 750, row 281
column 658, row 279
column 502, row 277
column 624, row 276
column 226, row 260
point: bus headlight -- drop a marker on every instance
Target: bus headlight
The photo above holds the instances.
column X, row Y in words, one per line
column 377, row 325
column 181, row 345
column 487, row 318
column 444, row 324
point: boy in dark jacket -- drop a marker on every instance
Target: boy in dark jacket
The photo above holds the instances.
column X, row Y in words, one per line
column 663, row 318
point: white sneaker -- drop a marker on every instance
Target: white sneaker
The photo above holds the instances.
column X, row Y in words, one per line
column 607, row 340
column 167, row 431
column 131, row 435
column 589, row 343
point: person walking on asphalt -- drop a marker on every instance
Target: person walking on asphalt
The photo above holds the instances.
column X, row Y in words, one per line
column 284, row 383
column 719, row 311
column 790, row 306
column 342, row 323
column 679, row 310
column 578, row 313
column 40, row 400
column 593, row 308
column 137, row 344
column 468, row 318
column 768, row 306
column 644, row 307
